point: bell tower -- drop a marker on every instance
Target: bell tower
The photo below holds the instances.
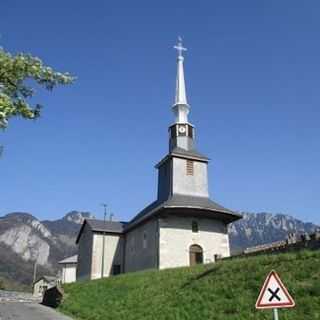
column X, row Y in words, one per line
column 184, row 171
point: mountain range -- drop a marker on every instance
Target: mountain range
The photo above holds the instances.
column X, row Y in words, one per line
column 261, row 228
column 25, row 240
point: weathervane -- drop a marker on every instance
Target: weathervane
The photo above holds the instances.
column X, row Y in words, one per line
column 179, row 47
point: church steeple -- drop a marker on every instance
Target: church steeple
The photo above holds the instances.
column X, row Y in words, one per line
column 184, row 170
column 181, row 132
column 180, row 107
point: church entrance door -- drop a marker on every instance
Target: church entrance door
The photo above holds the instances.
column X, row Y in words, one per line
column 196, row 255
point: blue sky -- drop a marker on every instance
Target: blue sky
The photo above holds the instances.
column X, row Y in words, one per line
column 253, row 77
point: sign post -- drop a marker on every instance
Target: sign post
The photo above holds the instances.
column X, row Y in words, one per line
column 274, row 295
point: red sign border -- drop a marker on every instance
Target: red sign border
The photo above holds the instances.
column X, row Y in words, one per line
column 290, row 304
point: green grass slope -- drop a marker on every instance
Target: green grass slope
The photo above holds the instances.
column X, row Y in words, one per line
column 222, row 291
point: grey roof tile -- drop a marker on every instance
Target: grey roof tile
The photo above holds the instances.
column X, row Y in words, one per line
column 73, row 259
column 49, row 279
column 184, row 201
column 102, row 226
column 174, row 202
column 188, row 153
column 178, row 200
column 106, row 226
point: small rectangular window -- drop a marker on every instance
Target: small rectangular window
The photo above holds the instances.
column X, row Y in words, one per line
column 144, row 240
column 195, row 227
column 132, row 244
column 189, row 168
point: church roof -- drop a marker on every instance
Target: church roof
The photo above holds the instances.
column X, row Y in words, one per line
column 189, row 153
column 102, row 226
column 174, row 202
column 73, row 259
column 48, row 279
column 186, row 154
column 106, row 226
column 186, row 202
column 200, row 202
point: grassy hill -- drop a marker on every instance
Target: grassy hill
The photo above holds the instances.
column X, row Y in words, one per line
column 222, row 291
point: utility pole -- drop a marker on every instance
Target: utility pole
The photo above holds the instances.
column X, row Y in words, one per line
column 103, row 238
column 35, row 271
column 111, row 216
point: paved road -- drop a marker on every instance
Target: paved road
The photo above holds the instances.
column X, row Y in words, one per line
column 22, row 306
column 12, row 296
column 28, row 311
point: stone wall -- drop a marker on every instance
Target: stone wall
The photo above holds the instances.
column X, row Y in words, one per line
column 141, row 248
column 84, row 266
column 294, row 242
column 176, row 237
column 40, row 286
column 113, row 254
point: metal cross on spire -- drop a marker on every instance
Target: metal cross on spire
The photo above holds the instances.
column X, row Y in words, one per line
column 180, row 107
column 179, row 47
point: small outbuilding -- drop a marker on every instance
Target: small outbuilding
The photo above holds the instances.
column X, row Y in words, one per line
column 42, row 284
column 53, row 297
column 69, row 269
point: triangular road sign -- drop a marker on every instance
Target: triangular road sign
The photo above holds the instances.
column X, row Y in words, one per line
column 274, row 294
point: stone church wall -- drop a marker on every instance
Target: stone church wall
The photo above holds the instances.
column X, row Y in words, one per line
column 85, row 254
column 176, row 237
column 141, row 248
column 113, row 254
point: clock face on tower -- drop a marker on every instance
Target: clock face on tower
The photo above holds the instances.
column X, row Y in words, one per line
column 182, row 129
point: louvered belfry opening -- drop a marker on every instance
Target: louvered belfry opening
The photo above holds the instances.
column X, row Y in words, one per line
column 190, row 168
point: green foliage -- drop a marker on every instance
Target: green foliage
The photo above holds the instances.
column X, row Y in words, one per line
column 224, row 291
column 15, row 89
column 2, row 285
column 15, row 273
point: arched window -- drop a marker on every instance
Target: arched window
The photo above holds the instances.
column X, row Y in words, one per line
column 195, row 227
column 195, row 254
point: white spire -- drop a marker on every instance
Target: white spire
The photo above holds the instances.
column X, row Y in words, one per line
column 181, row 97
column 180, row 107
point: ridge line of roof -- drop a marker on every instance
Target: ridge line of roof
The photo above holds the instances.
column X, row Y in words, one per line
column 178, row 152
column 174, row 201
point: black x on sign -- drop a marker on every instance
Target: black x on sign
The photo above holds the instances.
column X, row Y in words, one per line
column 274, row 294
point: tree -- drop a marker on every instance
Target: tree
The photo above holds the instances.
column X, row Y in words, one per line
column 16, row 75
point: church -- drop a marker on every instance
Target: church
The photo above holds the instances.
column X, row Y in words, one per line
column 182, row 227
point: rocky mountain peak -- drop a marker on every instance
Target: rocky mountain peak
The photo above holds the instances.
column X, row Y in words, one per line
column 20, row 217
column 15, row 219
column 260, row 228
column 78, row 216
